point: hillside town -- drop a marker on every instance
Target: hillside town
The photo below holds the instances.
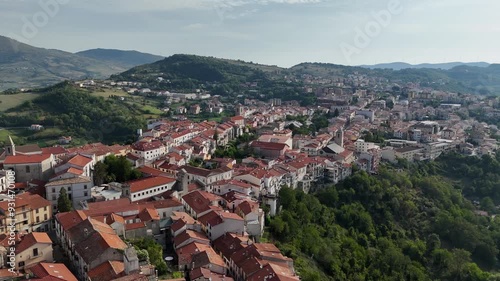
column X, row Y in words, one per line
column 205, row 188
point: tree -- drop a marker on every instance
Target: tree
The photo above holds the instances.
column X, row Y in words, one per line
column 216, row 137
column 100, row 173
column 155, row 253
column 63, row 202
column 488, row 205
column 336, row 113
column 120, row 169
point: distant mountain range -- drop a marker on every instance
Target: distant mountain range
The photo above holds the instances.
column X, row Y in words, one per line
column 182, row 70
column 126, row 59
column 404, row 65
column 25, row 66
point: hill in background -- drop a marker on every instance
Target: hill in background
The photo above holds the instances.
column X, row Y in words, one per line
column 404, row 65
column 25, row 66
column 126, row 59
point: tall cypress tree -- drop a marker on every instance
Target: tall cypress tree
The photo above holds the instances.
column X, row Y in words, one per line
column 63, row 202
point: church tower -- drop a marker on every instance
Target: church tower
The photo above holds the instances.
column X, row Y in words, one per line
column 339, row 137
column 10, row 149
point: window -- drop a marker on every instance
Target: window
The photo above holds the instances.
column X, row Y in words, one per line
column 25, row 216
column 27, row 169
column 69, row 196
column 69, row 188
column 21, row 264
column 45, row 208
column 85, row 193
column 45, row 217
column 37, row 219
column 54, row 198
column 85, row 187
column 35, row 252
column 53, row 190
column 37, row 211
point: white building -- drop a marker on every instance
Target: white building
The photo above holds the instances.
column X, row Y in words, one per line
column 217, row 223
column 80, row 164
column 148, row 150
column 205, row 176
column 146, row 188
column 78, row 190
column 362, row 146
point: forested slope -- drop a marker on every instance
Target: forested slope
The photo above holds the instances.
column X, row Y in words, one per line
column 410, row 225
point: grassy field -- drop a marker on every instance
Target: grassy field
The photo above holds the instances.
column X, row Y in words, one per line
column 10, row 101
column 46, row 137
column 17, row 135
column 105, row 93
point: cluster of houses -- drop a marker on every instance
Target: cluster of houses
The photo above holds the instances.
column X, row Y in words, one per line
column 210, row 215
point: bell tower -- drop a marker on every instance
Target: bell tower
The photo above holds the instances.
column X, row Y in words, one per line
column 10, row 149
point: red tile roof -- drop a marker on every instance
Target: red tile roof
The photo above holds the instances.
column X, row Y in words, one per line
column 135, row 225
column 107, row 271
column 273, row 272
column 185, row 254
column 149, row 171
column 208, row 258
column 56, row 150
column 149, row 214
column 269, row 145
column 70, row 219
column 206, row 274
column 247, row 207
column 216, row 217
column 229, row 243
column 200, row 201
column 58, row 272
column 26, row 159
column 33, row 239
column 190, row 234
column 147, row 146
column 80, row 160
column 147, row 183
column 115, row 218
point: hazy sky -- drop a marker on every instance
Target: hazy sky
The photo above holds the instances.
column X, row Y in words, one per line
column 282, row 32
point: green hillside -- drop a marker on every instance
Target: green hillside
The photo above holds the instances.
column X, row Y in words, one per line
column 413, row 225
column 25, row 66
column 188, row 71
column 125, row 59
column 77, row 113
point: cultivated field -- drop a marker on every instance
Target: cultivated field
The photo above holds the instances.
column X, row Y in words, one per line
column 10, row 101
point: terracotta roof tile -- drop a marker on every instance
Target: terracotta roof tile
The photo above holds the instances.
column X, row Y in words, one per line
column 185, row 254
column 32, row 239
column 56, row 150
column 147, row 183
column 107, row 271
column 56, row 270
column 26, row 159
column 80, row 160
column 70, row 219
